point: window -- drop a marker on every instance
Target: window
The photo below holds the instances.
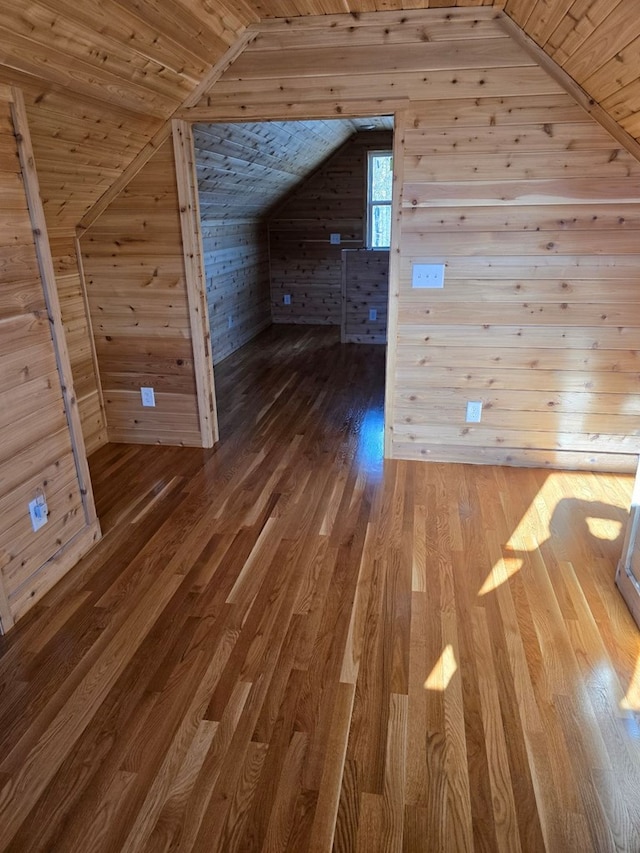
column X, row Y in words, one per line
column 380, row 182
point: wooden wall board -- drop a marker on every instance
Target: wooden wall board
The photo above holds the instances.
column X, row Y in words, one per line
column 498, row 184
column 236, row 257
column 365, row 286
column 40, row 433
column 47, row 275
column 135, row 276
column 409, row 28
column 526, row 79
column 304, row 264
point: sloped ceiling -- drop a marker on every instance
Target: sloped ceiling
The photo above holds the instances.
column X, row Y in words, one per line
column 100, row 76
column 244, row 169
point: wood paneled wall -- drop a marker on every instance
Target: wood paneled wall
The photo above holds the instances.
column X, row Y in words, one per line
column 536, row 319
column 531, row 205
column 99, row 79
column 304, row 264
column 595, row 41
column 79, row 341
column 39, row 454
column 81, row 145
column 137, row 293
column 236, row 259
column 365, row 286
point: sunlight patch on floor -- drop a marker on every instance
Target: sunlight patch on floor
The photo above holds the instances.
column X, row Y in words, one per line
column 443, row 671
column 504, row 569
column 601, row 521
column 604, row 528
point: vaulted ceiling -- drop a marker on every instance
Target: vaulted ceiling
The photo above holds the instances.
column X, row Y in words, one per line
column 100, row 76
column 246, row 168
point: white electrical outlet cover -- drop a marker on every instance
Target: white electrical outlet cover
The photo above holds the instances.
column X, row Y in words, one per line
column 148, row 397
column 427, row 275
column 474, row 412
column 373, row 314
column 334, row 239
column 286, row 299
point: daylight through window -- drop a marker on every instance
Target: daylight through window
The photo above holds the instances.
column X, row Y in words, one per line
column 379, row 199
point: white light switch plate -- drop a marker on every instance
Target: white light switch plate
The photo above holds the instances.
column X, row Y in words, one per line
column 427, row 275
column 286, row 299
column 335, row 239
column 38, row 512
column 373, row 314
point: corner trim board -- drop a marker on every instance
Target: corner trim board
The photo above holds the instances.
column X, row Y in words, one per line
column 47, row 274
column 193, row 255
column 399, row 128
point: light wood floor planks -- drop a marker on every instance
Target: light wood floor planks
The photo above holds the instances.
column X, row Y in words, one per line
column 286, row 644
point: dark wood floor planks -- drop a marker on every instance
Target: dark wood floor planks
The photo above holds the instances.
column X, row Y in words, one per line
column 287, row 644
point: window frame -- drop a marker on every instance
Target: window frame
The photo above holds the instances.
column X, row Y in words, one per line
column 371, row 202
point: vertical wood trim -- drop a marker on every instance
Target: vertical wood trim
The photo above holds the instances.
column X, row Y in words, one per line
column 92, row 341
column 399, row 125
column 625, row 580
column 6, row 616
column 195, row 279
column 45, row 262
column 343, row 321
column 269, row 270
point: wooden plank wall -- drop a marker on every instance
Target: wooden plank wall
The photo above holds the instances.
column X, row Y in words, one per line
column 304, row 265
column 36, row 449
column 135, row 278
column 365, row 286
column 531, row 205
column 79, row 341
column 80, row 146
column 236, row 258
column 99, row 79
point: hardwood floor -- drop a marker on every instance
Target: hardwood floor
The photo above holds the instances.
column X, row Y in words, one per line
column 286, row 644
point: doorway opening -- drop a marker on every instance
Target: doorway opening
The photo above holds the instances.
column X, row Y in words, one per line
column 285, row 217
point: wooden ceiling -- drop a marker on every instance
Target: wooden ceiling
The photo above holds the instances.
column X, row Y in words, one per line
column 100, row 76
column 246, row 168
